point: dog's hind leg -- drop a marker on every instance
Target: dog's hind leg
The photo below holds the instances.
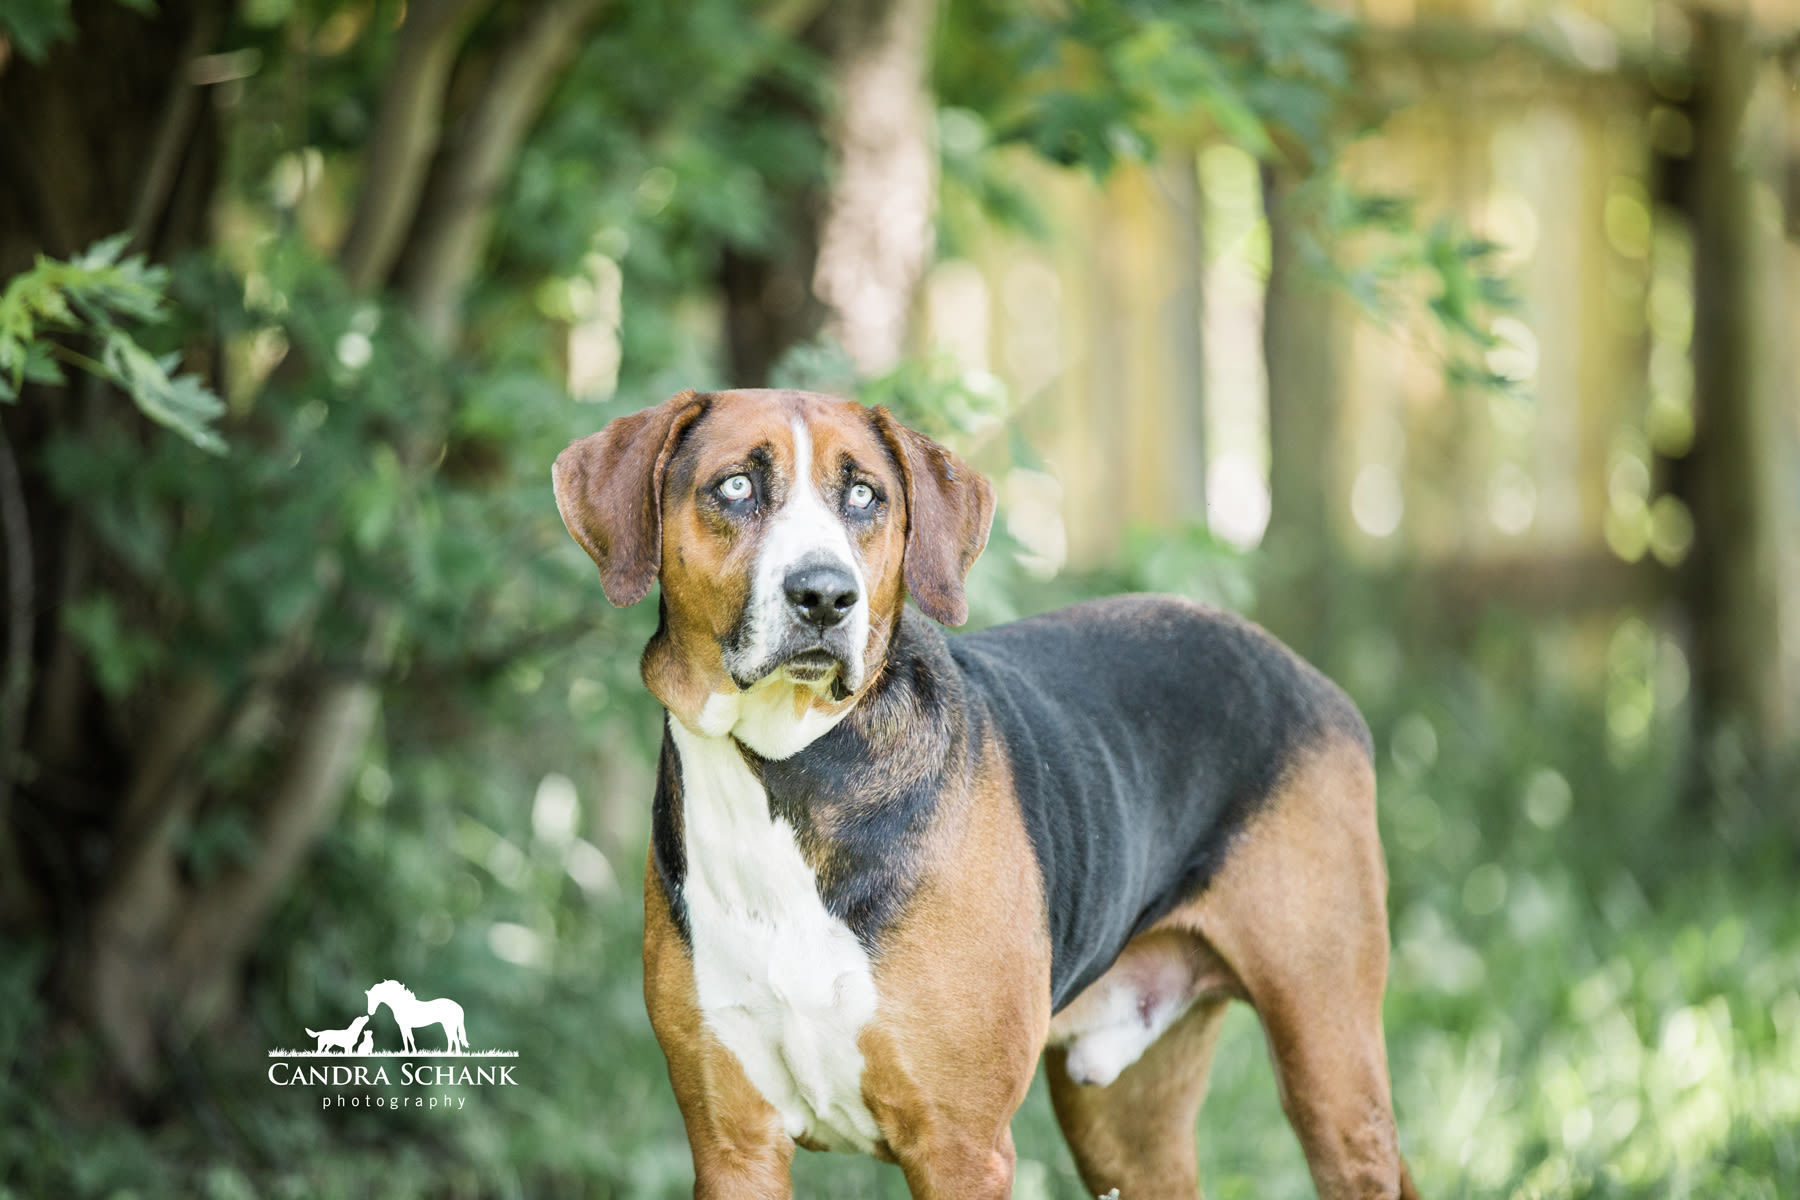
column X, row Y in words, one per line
column 1136, row 1133
column 1299, row 913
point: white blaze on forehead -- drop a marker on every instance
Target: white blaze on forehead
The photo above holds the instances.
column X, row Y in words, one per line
column 807, row 529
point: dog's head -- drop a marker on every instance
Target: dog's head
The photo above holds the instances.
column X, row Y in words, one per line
column 787, row 529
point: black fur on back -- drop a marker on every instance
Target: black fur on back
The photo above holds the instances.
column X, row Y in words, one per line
column 1142, row 733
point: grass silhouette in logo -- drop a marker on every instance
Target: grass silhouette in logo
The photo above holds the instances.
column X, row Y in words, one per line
column 394, row 1054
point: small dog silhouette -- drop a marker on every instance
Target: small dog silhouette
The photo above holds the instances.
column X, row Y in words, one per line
column 343, row 1039
column 368, row 1042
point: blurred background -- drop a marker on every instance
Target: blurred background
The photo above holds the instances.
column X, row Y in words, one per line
column 1452, row 339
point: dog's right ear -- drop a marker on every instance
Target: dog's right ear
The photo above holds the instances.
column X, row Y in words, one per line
column 609, row 491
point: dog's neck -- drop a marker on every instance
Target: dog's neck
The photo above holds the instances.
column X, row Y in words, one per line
column 776, row 718
column 860, row 790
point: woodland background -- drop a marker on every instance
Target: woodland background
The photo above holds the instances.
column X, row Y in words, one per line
column 1453, row 339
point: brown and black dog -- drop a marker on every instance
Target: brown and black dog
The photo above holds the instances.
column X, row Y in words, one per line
column 888, row 868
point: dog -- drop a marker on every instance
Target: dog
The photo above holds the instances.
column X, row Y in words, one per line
column 890, row 869
column 367, row 1045
column 342, row 1039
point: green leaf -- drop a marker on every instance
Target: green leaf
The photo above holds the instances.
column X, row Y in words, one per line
column 39, row 367
column 92, row 293
column 183, row 404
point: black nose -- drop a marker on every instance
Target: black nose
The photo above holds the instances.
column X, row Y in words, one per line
column 822, row 595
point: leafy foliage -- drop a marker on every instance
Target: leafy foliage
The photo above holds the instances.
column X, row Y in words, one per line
column 1087, row 83
column 99, row 294
column 1374, row 247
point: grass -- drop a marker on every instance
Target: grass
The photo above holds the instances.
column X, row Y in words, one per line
column 1563, row 1045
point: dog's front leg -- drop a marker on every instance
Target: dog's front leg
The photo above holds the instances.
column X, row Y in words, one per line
column 965, row 984
column 949, row 1127
column 961, row 1167
column 741, row 1151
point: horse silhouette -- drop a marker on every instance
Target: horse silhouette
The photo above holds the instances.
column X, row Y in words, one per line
column 410, row 1012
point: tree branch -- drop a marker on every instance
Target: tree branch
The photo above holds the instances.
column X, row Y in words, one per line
column 219, row 920
column 406, row 132
column 174, row 129
column 15, row 682
column 452, row 226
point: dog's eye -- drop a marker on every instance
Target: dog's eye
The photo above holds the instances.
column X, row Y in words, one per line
column 736, row 489
column 860, row 495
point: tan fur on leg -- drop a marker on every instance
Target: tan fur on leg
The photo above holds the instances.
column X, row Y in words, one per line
column 1299, row 912
column 1137, row 1133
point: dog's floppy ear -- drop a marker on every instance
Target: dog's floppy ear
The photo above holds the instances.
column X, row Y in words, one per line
column 609, row 491
column 949, row 509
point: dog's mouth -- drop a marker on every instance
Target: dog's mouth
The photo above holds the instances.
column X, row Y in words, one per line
column 821, row 660
column 812, row 665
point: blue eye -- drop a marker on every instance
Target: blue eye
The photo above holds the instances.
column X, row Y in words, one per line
column 860, row 495
column 736, row 489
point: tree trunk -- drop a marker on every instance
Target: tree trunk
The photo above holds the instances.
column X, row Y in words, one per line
column 769, row 305
column 1183, row 331
column 1732, row 582
column 145, row 161
column 1301, row 363
column 15, row 670
column 876, row 239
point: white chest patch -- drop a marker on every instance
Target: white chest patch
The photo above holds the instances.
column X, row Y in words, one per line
column 781, row 982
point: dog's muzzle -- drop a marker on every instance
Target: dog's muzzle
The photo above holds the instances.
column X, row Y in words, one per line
column 814, row 634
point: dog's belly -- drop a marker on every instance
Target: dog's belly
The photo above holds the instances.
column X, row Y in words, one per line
column 783, row 984
column 1149, row 988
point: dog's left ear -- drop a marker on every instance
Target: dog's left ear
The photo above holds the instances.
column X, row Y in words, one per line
column 609, row 491
column 949, row 510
